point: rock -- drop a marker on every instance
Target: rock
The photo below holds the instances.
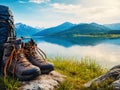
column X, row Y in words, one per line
column 44, row 82
column 116, row 85
column 113, row 74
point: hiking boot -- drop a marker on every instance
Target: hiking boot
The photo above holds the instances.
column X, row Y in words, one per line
column 15, row 62
column 37, row 57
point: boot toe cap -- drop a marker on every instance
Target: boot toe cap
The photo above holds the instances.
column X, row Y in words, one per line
column 29, row 74
column 31, row 71
column 45, row 69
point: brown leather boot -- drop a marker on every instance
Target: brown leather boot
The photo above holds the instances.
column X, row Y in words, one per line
column 15, row 62
column 37, row 57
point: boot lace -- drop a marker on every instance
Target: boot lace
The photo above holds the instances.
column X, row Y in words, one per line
column 14, row 56
column 33, row 49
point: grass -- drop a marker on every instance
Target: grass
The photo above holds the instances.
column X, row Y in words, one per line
column 9, row 83
column 77, row 72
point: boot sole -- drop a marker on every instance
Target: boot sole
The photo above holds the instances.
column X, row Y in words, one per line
column 46, row 71
column 28, row 77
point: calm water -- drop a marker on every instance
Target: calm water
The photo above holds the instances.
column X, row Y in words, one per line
column 105, row 51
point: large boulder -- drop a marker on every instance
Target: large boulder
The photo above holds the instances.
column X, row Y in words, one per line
column 111, row 78
column 44, row 82
column 116, row 84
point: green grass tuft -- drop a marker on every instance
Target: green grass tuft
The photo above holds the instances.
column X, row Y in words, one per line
column 9, row 83
column 66, row 85
column 77, row 72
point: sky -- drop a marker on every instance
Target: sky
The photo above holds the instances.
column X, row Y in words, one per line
column 47, row 13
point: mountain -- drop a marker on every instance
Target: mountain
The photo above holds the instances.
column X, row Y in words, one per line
column 92, row 28
column 56, row 29
column 115, row 26
column 25, row 30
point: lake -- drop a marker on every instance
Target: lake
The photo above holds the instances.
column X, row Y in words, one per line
column 104, row 51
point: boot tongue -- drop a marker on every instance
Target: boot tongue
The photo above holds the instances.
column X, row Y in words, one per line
column 32, row 42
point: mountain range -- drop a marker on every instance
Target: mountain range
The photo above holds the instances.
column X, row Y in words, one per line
column 67, row 28
column 92, row 28
column 56, row 29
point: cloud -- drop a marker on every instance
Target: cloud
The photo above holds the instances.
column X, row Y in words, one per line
column 38, row 1
column 106, row 11
column 58, row 11
column 21, row 1
column 67, row 8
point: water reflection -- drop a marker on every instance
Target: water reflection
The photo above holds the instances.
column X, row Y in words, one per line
column 105, row 54
column 82, row 41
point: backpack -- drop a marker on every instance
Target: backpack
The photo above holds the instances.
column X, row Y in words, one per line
column 6, row 27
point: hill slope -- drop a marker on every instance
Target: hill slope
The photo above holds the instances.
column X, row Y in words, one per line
column 115, row 26
column 24, row 30
column 56, row 29
column 91, row 28
column 114, row 32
